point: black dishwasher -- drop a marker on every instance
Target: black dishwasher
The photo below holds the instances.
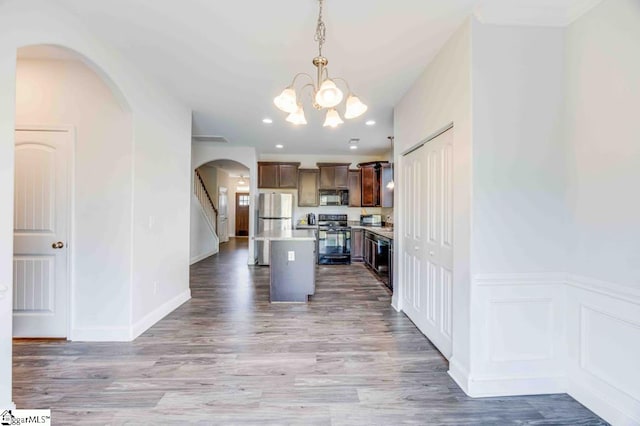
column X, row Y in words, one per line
column 378, row 251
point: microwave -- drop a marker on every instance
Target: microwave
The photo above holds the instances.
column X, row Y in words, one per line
column 334, row 197
column 371, row 219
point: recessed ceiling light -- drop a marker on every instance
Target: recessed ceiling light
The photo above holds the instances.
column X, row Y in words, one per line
column 370, row 122
column 353, row 147
column 279, row 146
column 267, row 120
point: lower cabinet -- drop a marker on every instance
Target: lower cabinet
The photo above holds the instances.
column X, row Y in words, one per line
column 357, row 245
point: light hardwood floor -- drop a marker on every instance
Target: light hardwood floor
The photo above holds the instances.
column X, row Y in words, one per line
column 228, row 356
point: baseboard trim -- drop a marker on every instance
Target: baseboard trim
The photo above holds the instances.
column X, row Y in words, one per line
column 157, row 314
column 460, row 375
column 202, row 256
column 605, row 407
column 513, row 386
column 101, row 334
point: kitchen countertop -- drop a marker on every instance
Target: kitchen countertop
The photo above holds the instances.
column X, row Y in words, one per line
column 383, row 231
column 286, row 234
column 305, row 226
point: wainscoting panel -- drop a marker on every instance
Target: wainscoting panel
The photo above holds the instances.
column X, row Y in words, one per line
column 520, row 345
column 603, row 332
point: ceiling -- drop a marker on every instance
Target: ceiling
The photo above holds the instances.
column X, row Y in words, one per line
column 227, row 60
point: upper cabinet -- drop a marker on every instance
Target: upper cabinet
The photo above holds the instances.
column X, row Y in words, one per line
column 334, row 175
column 355, row 189
column 277, row 175
column 374, row 177
column 308, row 188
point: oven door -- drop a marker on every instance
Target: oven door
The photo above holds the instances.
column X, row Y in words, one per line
column 334, row 246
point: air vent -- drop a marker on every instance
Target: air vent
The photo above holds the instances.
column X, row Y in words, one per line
column 209, row 138
column 354, row 141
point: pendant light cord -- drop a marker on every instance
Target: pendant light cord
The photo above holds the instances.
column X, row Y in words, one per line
column 321, row 31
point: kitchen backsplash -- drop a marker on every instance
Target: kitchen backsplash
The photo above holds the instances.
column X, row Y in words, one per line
column 301, row 212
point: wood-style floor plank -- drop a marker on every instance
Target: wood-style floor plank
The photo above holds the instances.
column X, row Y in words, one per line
column 228, row 356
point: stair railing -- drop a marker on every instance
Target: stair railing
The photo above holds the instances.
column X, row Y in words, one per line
column 201, row 193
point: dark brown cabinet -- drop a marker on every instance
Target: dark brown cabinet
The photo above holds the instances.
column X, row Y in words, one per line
column 370, row 186
column 334, row 175
column 355, row 190
column 308, row 188
column 357, row 245
column 374, row 177
column 277, row 175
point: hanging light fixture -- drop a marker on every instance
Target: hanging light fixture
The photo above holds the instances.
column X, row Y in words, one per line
column 241, row 181
column 391, row 183
column 326, row 94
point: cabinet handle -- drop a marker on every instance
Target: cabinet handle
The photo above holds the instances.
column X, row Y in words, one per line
column 431, row 253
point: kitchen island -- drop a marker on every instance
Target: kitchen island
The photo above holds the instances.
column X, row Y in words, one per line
column 292, row 264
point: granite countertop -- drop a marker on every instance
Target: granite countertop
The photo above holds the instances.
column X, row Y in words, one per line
column 286, row 234
column 384, row 231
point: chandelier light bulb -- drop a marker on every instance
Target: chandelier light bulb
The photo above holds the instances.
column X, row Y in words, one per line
column 333, row 118
column 328, row 95
column 297, row 117
column 287, row 100
column 355, row 107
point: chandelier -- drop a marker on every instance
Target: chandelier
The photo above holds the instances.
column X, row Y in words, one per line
column 325, row 92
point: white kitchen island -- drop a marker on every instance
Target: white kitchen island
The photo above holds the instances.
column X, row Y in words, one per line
column 292, row 264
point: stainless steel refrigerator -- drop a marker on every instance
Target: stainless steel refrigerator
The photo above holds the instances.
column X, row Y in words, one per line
column 275, row 212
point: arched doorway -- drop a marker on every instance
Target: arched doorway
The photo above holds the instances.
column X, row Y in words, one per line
column 238, row 163
column 72, row 192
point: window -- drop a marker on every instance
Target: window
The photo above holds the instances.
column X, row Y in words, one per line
column 243, row 200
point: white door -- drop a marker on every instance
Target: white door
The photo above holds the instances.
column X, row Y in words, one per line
column 428, row 240
column 40, row 269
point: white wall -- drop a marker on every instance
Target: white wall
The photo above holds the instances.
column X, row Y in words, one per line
column 554, row 302
column 161, row 167
column 603, row 150
column 205, row 152
column 69, row 93
column 441, row 96
column 519, row 217
column 603, row 135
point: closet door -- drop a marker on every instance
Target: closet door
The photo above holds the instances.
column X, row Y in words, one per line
column 429, row 240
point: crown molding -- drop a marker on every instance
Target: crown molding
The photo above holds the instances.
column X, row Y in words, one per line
column 559, row 13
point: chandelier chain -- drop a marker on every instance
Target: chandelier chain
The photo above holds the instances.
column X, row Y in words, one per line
column 321, row 30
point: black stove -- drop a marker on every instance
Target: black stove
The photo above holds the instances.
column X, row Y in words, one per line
column 333, row 221
column 334, row 240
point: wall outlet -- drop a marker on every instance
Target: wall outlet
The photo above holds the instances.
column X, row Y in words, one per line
column 291, row 256
column 155, row 287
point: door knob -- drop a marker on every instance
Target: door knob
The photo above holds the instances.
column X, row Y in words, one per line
column 57, row 245
column 431, row 253
column 416, row 248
